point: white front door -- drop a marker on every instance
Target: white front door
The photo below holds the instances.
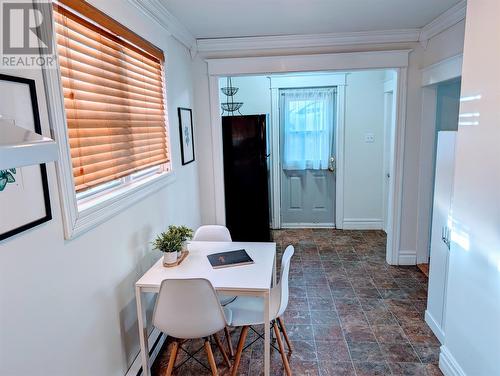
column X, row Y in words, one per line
column 307, row 123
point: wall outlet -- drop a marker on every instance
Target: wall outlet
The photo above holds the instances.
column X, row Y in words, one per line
column 369, row 138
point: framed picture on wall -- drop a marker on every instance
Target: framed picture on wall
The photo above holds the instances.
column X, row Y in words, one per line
column 186, row 134
column 24, row 191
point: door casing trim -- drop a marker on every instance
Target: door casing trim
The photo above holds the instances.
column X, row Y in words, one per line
column 391, row 59
column 337, row 80
column 442, row 71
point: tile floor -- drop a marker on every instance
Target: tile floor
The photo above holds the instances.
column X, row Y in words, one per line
column 349, row 312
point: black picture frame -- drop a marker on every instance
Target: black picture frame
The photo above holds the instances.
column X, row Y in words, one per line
column 186, row 159
column 43, row 169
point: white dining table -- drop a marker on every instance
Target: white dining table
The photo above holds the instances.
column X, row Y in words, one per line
column 245, row 280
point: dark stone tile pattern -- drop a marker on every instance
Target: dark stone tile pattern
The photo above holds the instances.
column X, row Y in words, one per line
column 349, row 312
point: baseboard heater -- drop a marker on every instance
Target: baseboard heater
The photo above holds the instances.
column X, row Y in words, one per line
column 155, row 341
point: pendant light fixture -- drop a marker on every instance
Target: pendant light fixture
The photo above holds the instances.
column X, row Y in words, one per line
column 230, row 106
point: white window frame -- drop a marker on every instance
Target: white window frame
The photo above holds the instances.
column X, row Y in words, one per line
column 85, row 212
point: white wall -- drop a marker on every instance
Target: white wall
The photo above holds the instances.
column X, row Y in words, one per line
column 253, row 92
column 472, row 325
column 364, row 162
column 68, row 307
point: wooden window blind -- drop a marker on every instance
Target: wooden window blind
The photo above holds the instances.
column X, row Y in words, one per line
column 113, row 96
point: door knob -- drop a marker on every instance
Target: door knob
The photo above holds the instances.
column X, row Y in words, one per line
column 331, row 164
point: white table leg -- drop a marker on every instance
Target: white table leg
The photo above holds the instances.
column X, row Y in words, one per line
column 143, row 337
column 267, row 336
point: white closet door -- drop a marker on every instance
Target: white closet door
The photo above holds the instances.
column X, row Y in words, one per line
column 443, row 190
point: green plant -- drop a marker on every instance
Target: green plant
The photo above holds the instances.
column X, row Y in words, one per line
column 172, row 239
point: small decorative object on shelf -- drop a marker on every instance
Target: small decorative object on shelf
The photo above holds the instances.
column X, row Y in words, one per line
column 171, row 243
column 230, row 106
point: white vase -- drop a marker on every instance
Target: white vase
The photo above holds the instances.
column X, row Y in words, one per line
column 170, row 257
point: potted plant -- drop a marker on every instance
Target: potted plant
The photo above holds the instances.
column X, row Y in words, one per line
column 186, row 234
column 171, row 242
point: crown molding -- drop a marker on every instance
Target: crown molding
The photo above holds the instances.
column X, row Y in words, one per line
column 308, row 40
column 446, row 20
column 157, row 11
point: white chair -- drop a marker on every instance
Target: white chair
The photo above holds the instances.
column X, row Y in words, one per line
column 212, row 233
column 187, row 309
column 247, row 311
column 217, row 233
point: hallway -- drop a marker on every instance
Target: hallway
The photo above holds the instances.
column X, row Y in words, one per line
column 349, row 312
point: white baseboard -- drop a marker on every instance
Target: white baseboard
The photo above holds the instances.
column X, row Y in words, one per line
column 308, row 225
column 155, row 342
column 436, row 329
column 448, row 364
column 363, row 224
column 407, row 257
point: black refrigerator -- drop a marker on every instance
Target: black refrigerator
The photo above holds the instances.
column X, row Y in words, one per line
column 246, row 177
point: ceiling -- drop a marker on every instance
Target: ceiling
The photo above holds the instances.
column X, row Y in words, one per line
column 241, row 18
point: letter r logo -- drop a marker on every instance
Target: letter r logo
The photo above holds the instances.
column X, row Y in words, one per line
column 22, row 28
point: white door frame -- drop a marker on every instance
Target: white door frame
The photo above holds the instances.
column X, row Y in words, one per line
column 337, row 80
column 389, row 88
column 432, row 75
column 394, row 59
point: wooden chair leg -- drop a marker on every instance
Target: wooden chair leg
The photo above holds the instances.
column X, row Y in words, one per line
column 211, row 359
column 229, row 344
column 282, row 349
column 239, row 350
column 173, row 357
column 283, row 330
column 221, row 349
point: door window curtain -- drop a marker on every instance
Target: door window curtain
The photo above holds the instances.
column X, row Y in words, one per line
column 308, row 120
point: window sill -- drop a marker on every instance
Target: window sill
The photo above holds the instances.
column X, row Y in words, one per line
column 94, row 212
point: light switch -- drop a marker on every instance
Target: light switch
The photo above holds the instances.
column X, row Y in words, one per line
column 369, row 138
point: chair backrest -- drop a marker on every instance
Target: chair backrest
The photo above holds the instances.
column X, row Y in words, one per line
column 188, row 308
column 281, row 289
column 212, row 233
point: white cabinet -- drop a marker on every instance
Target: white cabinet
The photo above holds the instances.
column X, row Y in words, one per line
column 443, row 190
